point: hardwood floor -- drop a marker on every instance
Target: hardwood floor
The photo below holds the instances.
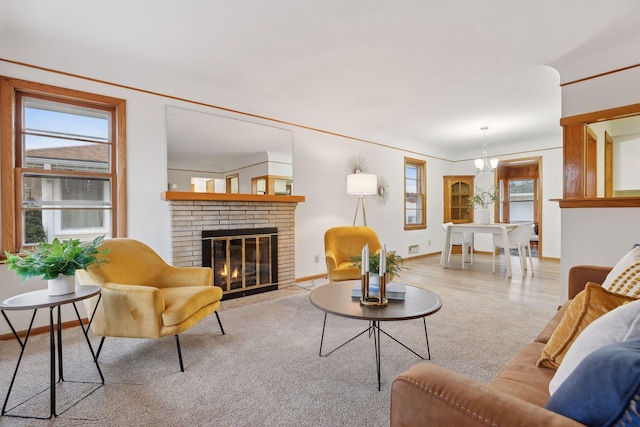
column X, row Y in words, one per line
column 540, row 289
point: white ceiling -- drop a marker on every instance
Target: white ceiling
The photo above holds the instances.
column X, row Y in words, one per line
column 422, row 74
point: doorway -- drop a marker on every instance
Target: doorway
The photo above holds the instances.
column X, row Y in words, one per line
column 519, row 188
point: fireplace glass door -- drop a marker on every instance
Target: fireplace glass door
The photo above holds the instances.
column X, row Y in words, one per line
column 242, row 262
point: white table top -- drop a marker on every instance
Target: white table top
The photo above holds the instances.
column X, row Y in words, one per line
column 486, row 228
column 42, row 299
column 493, row 228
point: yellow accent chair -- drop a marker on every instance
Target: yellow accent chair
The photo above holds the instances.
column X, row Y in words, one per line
column 340, row 243
column 144, row 297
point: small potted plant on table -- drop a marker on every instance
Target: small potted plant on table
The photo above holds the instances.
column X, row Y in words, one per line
column 481, row 201
column 394, row 264
column 57, row 262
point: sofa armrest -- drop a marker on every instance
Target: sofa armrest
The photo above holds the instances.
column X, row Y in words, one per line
column 580, row 275
column 433, row 396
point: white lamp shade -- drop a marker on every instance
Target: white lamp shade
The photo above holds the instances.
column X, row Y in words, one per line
column 362, row 183
column 479, row 163
column 494, row 163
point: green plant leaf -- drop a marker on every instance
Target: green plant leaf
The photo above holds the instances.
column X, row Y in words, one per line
column 395, row 263
column 49, row 260
column 484, row 198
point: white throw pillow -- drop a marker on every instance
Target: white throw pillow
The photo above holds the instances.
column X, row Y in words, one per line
column 625, row 277
column 620, row 324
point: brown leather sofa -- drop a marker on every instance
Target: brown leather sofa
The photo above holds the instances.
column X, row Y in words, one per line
column 428, row 395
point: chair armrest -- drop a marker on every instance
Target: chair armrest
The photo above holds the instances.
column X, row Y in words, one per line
column 186, row 276
column 579, row 275
column 128, row 311
column 330, row 259
column 430, row 395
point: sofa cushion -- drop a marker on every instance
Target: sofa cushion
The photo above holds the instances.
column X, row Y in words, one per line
column 620, row 324
column 604, row 389
column 545, row 335
column 587, row 306
column 625, row 276
column 523, row 379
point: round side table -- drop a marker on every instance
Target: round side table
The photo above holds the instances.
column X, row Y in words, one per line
column 41, row 299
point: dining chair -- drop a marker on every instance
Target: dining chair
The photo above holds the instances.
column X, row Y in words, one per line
column 458, row 239
column 534, row 237
column 520, row 239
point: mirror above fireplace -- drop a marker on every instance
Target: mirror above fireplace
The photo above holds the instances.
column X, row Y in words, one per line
column 212, row 153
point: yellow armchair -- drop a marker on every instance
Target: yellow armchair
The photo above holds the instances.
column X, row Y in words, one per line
column 340, row 243
column 144, row 297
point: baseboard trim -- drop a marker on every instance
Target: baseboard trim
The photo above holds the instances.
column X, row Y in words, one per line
column 42, row 329
column 421, row 256
column 306, row 279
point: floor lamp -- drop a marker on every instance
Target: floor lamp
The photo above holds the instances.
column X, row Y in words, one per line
column 361, row 184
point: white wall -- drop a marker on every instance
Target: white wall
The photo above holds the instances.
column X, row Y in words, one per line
column 598, row 235
column 319, row 174
column 626, row 156
column 608, row 91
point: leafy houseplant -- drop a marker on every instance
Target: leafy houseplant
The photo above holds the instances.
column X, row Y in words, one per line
column 48, row 260
column 394, row 263
column 483, row 198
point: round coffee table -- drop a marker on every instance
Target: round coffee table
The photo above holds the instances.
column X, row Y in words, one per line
column 335, row 298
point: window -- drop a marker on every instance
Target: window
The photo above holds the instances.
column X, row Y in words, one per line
column 521, row 201
column 415, row 216
column 519, row 186
column 64, row 164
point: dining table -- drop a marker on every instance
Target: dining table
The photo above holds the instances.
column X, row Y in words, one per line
column 501, row 229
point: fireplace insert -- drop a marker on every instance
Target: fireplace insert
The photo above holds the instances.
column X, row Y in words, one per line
column 244, row 261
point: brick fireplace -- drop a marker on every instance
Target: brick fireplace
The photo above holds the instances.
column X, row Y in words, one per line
column 193, row 213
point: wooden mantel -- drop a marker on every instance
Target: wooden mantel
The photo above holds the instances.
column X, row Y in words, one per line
column 194, row 196
column 601, row 202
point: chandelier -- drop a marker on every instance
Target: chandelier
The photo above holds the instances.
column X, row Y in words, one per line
column 484, row 165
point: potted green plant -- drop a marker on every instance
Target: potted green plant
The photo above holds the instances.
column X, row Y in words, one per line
column 481, row 201
column 57, row 262
column 394, row 263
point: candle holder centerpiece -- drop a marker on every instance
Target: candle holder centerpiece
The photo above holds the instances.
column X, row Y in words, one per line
column 383, row 264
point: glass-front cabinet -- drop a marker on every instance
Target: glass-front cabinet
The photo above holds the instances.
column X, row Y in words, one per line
column 458, row 190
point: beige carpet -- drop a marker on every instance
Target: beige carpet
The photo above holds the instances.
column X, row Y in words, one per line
column 266, row 370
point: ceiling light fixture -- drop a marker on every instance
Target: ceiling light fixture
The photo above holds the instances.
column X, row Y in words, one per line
column 485, row 165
